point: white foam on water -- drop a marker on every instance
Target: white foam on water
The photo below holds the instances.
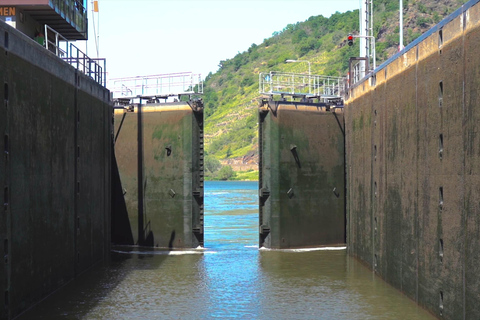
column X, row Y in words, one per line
column 181, row 253
column 306, row 249
column 166, row 252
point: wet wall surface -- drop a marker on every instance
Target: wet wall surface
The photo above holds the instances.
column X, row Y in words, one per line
column 172, row 173
column 413, row 167
column 302, row 179
column 55, row 128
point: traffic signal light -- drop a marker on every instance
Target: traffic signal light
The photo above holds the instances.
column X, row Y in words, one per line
column 350, row 40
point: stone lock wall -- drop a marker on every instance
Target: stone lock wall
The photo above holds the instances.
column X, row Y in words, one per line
column 55, row 145
column 413, row 165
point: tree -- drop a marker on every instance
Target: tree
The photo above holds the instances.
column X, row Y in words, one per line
column 212, row 164
column 229, row 152
column 226, row 173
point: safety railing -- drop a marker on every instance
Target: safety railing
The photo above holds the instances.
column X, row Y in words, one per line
column 357, row 68
column 55, row 42
column 280, row 83
column 160, row 85
column 94, row 68
column 356, row 73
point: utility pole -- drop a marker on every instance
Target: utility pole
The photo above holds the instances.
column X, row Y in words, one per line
column 363, row 41
column 367, row 46
column 96, row 29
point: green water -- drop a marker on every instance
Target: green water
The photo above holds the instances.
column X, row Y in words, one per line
column 231, row 278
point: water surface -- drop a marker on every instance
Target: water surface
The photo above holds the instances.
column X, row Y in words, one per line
column 231, row 278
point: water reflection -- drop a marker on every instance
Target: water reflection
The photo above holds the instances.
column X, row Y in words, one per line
column 231, row 278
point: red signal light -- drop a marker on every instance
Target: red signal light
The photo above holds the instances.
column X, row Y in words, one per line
column 350, row 40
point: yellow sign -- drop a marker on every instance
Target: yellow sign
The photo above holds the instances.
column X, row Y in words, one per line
column 95, row 6
column 7, row 11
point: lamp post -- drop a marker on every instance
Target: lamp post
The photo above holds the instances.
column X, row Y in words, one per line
column 309, row 73
column 290, row 61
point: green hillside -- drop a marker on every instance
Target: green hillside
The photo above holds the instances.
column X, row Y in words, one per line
column 231, row 93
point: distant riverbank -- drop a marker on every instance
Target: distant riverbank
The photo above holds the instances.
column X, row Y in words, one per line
column 249, row 175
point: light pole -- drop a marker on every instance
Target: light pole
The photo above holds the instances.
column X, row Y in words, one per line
column 290, row 61
column 309, row 73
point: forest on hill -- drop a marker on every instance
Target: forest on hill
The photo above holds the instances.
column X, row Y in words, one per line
column 231, row 93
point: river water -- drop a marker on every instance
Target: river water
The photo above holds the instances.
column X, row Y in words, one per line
column 231, row 278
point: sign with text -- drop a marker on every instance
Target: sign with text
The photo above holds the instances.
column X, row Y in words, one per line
column 7, row 11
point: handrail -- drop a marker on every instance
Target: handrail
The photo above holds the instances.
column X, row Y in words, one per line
column 160, row 85
column 55, row 46
column 94, row 68
column 284, row 83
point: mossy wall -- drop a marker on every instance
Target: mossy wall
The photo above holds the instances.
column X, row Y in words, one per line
column 302, row 177
column 413, row 150
column 172, row 174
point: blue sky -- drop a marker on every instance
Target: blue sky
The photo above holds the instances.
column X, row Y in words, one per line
column 145, row 37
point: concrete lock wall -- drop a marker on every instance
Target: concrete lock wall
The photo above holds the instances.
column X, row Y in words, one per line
column 55, row 128
column 413, row 165
column 171, row 158
column 302, row 177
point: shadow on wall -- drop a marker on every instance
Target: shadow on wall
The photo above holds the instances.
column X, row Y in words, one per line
column 172, row 239
column 121, row 229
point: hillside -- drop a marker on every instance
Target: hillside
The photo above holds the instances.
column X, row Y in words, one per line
column 231, row 93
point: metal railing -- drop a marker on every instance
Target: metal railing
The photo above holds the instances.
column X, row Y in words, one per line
column 280, row 83
column 94, row 68
column 356, row 70
column 160, row 85
column 55, row 42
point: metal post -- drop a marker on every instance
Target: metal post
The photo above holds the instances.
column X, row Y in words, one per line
column 56, row 44
column 363, row 32
column 367, row 31
column 372, row 38
column 400, row 46
column 374, row 53
column 141, row 234
column 309, row 79
column 45, row 35
column 271, row 82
